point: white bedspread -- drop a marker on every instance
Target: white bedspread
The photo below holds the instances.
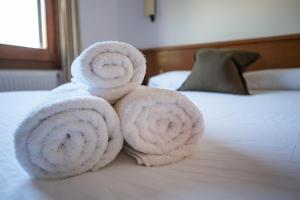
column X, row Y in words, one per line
column 250, row 150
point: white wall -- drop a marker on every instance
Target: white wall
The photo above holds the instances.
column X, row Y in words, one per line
column 186, row 21
column 98, row 20
column 197, row 21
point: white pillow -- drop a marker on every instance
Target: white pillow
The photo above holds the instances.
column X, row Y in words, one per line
column 273, row 79
column 170, row 80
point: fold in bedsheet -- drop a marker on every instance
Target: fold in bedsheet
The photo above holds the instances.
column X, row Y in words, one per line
column 109, row 69
column 159, row 126
column 71, row 132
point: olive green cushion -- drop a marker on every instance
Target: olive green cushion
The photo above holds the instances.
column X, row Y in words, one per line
column 218, row 70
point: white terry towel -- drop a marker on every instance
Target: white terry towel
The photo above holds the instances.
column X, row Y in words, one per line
column 109, row 69
column 69, row 133
column 159, row 126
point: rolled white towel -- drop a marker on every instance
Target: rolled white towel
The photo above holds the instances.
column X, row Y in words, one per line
column 159, row 126
column 109, row 69
column 71, row 132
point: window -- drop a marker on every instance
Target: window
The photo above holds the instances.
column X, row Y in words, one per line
column 26, row 24
column 29, row 34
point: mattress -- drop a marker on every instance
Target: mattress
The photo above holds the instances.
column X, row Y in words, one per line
column 250, row 150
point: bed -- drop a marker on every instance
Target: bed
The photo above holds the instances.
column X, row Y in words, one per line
column 250, row 150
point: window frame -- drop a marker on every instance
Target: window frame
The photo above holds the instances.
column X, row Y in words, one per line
column 16, row 57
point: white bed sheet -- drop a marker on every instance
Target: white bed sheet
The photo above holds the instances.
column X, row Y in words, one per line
column 250, row 150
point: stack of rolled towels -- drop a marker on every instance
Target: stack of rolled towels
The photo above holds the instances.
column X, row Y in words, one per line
column 80, row 126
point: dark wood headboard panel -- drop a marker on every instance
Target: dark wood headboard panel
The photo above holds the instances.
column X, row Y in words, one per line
column 276, row 52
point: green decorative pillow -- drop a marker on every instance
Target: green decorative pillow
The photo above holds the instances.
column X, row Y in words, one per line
column 217, row 70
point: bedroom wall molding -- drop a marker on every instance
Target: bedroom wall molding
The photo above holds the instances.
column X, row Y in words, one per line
column 69, row 34
column 276, row 52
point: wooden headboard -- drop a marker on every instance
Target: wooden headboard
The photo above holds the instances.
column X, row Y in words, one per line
column 276, row 52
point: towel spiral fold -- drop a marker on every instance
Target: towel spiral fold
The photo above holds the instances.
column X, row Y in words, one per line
column 109, row 69
column 68, row 135
column 159, row 126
